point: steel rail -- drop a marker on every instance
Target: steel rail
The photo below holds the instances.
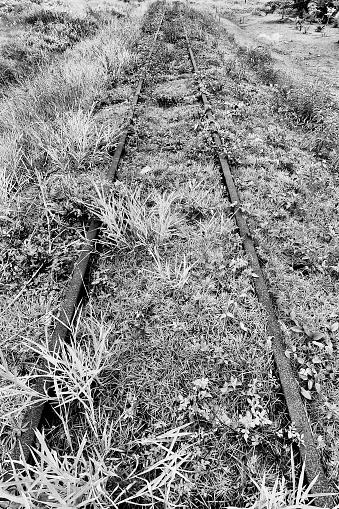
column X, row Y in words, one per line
column 296, row 408
column 75, row 290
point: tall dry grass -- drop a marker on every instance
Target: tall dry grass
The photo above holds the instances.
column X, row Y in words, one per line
column 47, row 123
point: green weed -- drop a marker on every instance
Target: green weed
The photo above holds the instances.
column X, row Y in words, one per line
column 132, row 220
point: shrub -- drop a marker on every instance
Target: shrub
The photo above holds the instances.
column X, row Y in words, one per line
column 318, row 8
column 8, row 71
column 48, row 22
column 260, row 60
column 303, row 103
column 255, row 57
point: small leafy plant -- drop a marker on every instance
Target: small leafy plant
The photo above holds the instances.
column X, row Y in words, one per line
column 313, row 357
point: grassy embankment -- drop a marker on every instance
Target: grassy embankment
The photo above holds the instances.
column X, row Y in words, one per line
column 52, row 137
column 32, row 33
column 170, row 372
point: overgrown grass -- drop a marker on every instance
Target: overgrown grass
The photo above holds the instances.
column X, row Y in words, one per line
column 53, row 132
column 43, row 31
column 53, row 136
column 169, row 370
column 305, row 103
column 38, row 32
column 174, row 271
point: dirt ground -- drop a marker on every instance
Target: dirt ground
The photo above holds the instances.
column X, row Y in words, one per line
column 312, row 57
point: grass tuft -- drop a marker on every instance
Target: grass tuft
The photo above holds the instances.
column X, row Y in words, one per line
column 176, row 275
column 281, row 496
column 133, row 220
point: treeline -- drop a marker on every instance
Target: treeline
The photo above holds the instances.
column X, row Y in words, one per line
column 323, row 10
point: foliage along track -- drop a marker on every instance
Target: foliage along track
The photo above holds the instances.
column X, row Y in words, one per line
column 166, row 100
column 143, row 146
column 76, row 289
column 296, row 408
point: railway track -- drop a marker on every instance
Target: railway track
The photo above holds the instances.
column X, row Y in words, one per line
column 173, row 92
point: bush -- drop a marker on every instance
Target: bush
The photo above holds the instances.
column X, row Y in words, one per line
column 255, row 57
column 304, row 104
column 260, row 60
column 318, row 8
column 48, row 31
column 8, row 72
column 50, row 22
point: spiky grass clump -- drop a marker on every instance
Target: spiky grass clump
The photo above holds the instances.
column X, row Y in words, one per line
column 88, row 471
column 132, row 220
column 297, row 494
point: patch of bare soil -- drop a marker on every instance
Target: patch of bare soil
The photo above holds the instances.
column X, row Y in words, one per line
column 310, row 56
